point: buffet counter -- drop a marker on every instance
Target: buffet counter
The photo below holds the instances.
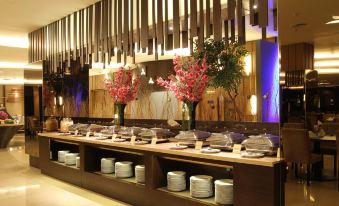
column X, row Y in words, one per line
column 257, row 181
column 7, row 132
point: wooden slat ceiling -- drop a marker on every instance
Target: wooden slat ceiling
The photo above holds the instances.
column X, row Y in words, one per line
column 121, row 27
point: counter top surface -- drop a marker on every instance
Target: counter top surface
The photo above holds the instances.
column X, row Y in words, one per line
column 11, row 125
column 164, row 148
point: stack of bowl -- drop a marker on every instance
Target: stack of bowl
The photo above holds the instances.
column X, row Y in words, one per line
column 140, row 173
column 123, row 169
column 224, row 191
column 61, row 155
column 70, row 158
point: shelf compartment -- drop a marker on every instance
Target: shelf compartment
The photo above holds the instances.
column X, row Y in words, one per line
column 130, row 180
column 56, row 146
column 64, row 165
column 186, row 195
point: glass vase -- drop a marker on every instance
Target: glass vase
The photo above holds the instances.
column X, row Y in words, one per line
column 119, row 114
column 188, row 115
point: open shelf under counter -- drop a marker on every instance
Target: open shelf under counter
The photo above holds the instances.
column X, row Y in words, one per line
column 129, row 180
column 65, row 165
column 186, row 195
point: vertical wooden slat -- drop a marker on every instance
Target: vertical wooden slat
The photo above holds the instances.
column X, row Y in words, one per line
column 109, row 44
column 241, row 26
column 131, row 30
column 226, row 32
column 176, row 24
column 263, row 13
column 160, row 31
column 232, row 30
column 193, row 18
column 75, row 30
column 217, row 20
column 119, row 25
column 115, row 20
column 126, row 25
column 69, row 41
column 201, row 25
column 144, row 24
column 252, row 12
column 138, row 25
column 166, row 26
column 208, row 19
column 185, row 26
column 154, row 24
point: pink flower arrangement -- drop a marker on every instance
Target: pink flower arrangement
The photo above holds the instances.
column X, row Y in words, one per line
column 122, row 87
column 189, row 81
column 3, row 115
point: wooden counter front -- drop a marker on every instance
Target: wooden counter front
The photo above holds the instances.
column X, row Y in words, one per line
column 256, row 181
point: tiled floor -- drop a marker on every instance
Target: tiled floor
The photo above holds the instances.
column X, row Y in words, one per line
column 22, row 185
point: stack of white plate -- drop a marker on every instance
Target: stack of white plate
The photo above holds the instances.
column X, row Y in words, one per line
column 123, row 169
column 70, row 158
column 201, row 186
column 61, row 155
column 107, row 165
column 77, row 162
column 176, row 181
column 140, row 173
column 224, row 191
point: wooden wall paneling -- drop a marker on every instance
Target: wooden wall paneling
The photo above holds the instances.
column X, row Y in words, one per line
column 100, row 34
column 64, row 41
column 69, row 41
column 166, row 26
column 87, row 35
column 284, row 58
column 126, row 29
column 104, row 34
column 30, row 47
column 291, row 57
column 241, row 24
column 39, row 44
column 33, row 46
column 217, row 20
column 208, row 19
column 176, row 24
column 232, row 30
column 201, row 25
column 263, row 13
column 275, row 19
column 115, row 21
column 300, row 56
column 184, row 32
column 131, row 31
column 150, row 47
column 144, row 24
column 82, row 43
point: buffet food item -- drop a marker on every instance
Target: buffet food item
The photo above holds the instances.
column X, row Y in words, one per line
column 82, row 128
column 51, row 124
column 225, row 140
column 95, row 128
column 176, row 181
column 65, row 124
column 201, row 186
column 107, row 165
column 224, row 191
column 264, row 143
column 127, row 132
column 189, row 138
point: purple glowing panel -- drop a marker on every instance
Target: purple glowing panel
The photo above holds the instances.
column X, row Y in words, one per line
column 269, row 81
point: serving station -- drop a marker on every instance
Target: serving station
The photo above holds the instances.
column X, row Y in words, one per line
column 258, row 181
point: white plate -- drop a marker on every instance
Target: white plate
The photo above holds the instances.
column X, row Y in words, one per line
column 179, row 147
column 252, row 154
column 210, row 150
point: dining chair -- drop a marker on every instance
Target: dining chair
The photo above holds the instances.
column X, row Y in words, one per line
column 328, row 148
column 297, row 149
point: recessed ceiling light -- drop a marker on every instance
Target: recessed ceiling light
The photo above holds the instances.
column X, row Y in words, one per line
column 255, row 6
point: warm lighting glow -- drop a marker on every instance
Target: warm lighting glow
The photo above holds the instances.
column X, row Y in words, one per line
column 143, row 72
column 325, row 55
column 151, row 81
column 61, row 101
column 19, row 81
column 18, row 189
column 253, row 104
column 333, row 22
column 327, row 71
column 255, row 6
column 14, row 42
column 17, row 65
column 332, row 63
column 282, row 74
column 248, row 64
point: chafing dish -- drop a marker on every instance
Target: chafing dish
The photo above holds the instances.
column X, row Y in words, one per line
column 265, row 143
column 225, row 140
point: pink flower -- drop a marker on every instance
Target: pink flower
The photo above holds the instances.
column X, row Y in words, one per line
column 122, row 87
column 190, row 79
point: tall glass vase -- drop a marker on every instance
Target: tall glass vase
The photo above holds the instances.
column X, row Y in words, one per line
column 188, row 115
column 119, row 114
